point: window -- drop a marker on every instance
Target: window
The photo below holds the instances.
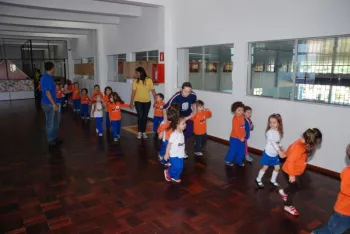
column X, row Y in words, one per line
column 147, row 56
column 316, row 70
column 207, row 67
column 115, row 67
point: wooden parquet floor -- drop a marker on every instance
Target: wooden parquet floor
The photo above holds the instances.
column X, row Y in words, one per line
column 91, row 185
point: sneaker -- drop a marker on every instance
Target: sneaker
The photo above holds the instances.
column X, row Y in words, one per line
column 259, row 183
column 198, row 153
column 160, row 158
column 166, row 175
column 144, row 135
column 248, row 158
column 176, row 180
column 116, row 139
column 291, row 210
column 283, row 195
column 100, row 134
column 240, row 164
column 275, row 184
column 139, row 135
column 88, row 118
column 229, row 164
column 186, row 155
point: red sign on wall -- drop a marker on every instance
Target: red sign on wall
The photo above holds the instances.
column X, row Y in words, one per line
column 161, row 56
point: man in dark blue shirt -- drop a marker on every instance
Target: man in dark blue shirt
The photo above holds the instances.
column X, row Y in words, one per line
column 186, row 98
column 48, row 103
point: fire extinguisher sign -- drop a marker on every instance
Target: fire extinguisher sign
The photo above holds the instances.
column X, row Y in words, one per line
column 161, row 56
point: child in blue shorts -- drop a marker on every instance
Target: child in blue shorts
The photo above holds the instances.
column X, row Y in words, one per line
column 273, row 149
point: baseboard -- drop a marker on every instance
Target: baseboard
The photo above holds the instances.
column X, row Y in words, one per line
column 312, row 168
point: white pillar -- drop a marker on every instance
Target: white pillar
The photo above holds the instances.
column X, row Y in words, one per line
column 101, row 63
column 70, row 62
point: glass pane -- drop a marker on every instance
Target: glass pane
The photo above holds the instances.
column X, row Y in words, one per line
column 218, row 68
column 112, row 75
column 141, row 56
column 119, row 66
column 195, row 55
column 272, row 69
column 153, row 55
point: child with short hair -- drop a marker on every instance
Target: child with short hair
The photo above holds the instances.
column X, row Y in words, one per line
column 108, row 91
column 200, row 126
column 97, row 113
column 295, row 165
column 273, row 149
column 76, row 97
column 175, row 151
column 115, row 105
column 85, row 100
column 340, row 220
column 96, row 92
column 164, row 132
column 158, row 111
column 249, row 126
column 237, row 147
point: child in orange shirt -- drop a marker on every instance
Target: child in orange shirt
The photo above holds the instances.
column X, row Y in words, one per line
column 158, row 111
column 59, row 95
column 115, row 105
column 164, row 132
column 340, row 220
column 96, row 92
column 85, row 100
column 200, row 126
column 69, row 91
column 237, row 145
column 295, row 165
column 108, row 91
column 76, row 97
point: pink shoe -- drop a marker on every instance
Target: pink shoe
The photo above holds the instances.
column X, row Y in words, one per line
column 166, row 175
column 176, row 180
column 291, row 210
column 283, row 195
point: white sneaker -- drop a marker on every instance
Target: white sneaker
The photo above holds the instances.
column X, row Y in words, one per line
column 283, row 195
column 291, row 210
column 198, row 153
column 116, row 139
column 100, row 134
column 139, row 135
column 144, row 135
column 96, row 130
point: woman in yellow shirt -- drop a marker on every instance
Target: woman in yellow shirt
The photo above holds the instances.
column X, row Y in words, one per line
column 141, row 88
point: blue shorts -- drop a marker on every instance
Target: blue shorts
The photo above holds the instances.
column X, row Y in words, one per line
column 162, row 149
column 266, row 160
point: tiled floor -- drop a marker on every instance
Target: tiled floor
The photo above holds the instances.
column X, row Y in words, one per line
column 90, row 185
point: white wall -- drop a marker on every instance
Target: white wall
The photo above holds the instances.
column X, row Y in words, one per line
column 145, row 33
column 232, row 22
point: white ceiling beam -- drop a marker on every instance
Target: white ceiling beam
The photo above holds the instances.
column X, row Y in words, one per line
column 43, row 35
column 145, row 3
column 80, row 6
column 41, row 44
column 43, row 30
column 15, row 11
column 46, row 23
column 33, row 38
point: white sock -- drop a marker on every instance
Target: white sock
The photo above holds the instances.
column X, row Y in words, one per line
column 260, row 175
column 274, row 176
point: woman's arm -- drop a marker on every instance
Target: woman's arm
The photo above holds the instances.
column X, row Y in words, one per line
column 132, row 98
column 154, row 94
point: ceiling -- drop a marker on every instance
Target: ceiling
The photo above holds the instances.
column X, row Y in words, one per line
column 64, row 19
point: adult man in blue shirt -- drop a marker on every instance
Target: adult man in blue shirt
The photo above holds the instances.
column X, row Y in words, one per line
column 48, row 103
column 186, row 98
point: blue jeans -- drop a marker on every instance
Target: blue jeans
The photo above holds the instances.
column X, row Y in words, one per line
column 99, row 121
column 200, row 142
column 84, row 112
column 52, row 122
column 108, row 121
column 236, row 151
column 116, row 128
column 156, row 121
column 76, row 104
column 337, row 224
column 177, row 165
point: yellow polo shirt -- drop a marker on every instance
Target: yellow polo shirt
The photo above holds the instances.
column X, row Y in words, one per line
column 143, row 90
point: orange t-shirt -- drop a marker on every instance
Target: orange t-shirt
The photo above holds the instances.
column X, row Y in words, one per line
column 76, row 93
column 158, row 109
column 296, row 159
column 94, row 94
column 342, row 204
column 70, row 88
column 85, row 99
column 59, row 93
column 114, row 110
column 238, row 127
column 163, row 127
column 106, row 101
column 200, row 122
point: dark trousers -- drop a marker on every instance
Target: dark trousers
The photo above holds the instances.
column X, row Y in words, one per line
column 189, row 129
column 200, row 142
column 291, row 190
column 142, row 109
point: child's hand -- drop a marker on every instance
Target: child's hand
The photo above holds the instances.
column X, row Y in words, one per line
column 292, row 179
column 282, row 155
column 242, row 139
column 166, row 157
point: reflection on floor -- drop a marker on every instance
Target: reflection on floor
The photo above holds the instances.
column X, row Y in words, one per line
column 91, row 185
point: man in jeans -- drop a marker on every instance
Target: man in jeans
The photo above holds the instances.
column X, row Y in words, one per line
column 48, row 103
